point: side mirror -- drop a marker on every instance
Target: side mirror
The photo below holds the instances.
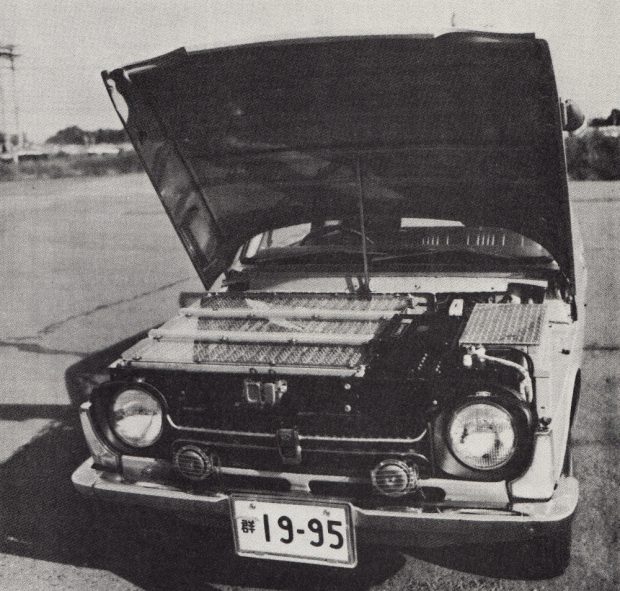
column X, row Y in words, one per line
column 572, row 117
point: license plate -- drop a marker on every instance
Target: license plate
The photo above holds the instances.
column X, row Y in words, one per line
column 297, row 531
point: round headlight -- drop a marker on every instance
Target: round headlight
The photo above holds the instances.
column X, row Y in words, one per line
column 482, row 435
column 137, row 417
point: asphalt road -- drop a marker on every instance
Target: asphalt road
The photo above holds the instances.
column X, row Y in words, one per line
column 87, row 263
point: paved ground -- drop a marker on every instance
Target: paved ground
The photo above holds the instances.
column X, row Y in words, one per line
column 87, row 263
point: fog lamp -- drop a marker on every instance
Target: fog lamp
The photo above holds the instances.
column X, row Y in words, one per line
column 394, row 478
column 193, row 462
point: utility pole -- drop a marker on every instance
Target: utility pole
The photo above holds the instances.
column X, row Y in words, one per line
column 3, row 127
column 8, row 52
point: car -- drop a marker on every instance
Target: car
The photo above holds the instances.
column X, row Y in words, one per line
column 389, row 343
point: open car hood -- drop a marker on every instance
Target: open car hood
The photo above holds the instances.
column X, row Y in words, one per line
column 237, row 140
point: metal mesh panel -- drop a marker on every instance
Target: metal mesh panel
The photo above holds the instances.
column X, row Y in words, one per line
column 504, row 324
column 160, row 351
column 217, row 301
column 282, row 325
column 290, row 354
column 182, row 345
column 305, row 355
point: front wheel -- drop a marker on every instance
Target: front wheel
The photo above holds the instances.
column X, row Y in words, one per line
column 555, row 552
column 543, row 558
column 567, row 467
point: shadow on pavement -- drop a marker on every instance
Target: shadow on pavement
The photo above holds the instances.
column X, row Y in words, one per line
column 23, row 412
column 42, row 517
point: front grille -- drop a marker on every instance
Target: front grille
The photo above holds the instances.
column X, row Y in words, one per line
column 351, row 459
column 360, row 492
column 314, row 406
column 366, row 496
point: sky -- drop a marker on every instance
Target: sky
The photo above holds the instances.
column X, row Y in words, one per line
column 64, row 44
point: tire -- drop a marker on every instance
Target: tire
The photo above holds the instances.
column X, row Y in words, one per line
column 533, row 559
column 543, row 558
column 567, row 467
column 576, row 396
column 552, row 554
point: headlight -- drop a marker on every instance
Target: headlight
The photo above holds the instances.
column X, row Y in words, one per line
column 136, row 417
column 482, row 435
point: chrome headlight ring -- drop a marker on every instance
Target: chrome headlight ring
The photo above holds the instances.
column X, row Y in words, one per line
column 489, row 433
column 482, row 435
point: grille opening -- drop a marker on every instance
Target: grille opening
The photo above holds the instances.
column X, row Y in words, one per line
column 330, row 457
column 234, row 483
column 365, row 496
column 341, row 489
column 419, row 498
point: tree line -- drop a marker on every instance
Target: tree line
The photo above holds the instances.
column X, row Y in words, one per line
column 590, row 154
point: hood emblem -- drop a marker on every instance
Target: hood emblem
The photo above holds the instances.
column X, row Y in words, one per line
column 261, row 394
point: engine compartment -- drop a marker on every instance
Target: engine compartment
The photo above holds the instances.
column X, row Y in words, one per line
column 350, row 379
column 327, row 334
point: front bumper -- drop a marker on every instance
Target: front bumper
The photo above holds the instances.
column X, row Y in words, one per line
column 390, row 525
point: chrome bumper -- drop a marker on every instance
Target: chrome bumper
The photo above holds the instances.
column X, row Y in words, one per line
column 401, row 526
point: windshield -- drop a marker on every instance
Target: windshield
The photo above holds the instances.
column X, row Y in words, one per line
column 392, row 239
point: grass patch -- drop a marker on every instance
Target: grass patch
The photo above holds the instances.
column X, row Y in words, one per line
column 593, row 156
column 62, row 166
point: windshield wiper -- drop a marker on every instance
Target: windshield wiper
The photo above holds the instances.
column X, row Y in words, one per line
column 459, row 254
column 378, row 257
column 319, row 255
column 315, row 236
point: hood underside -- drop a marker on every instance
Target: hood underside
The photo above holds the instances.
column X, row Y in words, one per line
column 465, row 126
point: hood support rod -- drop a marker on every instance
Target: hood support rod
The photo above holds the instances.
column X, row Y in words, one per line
column 364, row 288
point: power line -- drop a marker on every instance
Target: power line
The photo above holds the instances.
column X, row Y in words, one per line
column 2, row 109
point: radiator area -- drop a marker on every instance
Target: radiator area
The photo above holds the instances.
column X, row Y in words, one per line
column 240, row 332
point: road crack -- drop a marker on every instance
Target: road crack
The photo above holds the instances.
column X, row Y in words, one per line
column 28, row 344
column 54, row 326
column 595, row 347
column 30, row 347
